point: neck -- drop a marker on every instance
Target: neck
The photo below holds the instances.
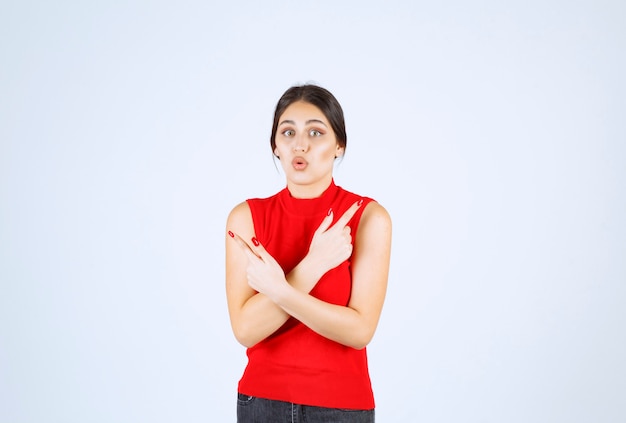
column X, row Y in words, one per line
column 313, row 190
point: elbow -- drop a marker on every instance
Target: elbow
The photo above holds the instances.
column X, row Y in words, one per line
column 246, row 342
column 244, row 335
column 358, row 346
column 361, row 339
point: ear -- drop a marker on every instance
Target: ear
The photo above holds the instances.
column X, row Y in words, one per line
column 276, row 153
column 339, row 152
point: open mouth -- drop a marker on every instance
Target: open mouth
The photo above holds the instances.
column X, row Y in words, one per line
column 299, row 163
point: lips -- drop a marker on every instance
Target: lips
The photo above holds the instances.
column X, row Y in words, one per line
column 299, row 163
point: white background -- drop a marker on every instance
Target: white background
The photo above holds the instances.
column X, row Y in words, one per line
column 493, row 132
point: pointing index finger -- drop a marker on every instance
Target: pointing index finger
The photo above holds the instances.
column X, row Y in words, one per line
column 243, row 244
column 347, row 216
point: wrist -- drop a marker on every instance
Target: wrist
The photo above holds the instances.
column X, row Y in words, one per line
column 306, row 274
column 281, row 293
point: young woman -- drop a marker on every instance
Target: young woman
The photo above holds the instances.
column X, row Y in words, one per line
column 306, row 276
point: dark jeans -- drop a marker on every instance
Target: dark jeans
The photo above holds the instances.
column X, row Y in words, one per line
column 260, row 410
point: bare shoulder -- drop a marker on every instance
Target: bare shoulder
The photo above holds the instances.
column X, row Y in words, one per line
column 240, row 210
column 240, row 217
column 375, row 214
column 374, row 226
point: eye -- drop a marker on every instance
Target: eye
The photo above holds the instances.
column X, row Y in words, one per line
column 289, row 132
column 315, row 133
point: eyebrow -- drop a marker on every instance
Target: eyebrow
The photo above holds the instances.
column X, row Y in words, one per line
column 291, row 122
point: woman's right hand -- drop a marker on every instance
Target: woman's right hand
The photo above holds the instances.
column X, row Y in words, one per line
column 332, row 245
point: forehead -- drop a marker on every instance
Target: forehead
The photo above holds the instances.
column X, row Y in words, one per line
column 301, row 111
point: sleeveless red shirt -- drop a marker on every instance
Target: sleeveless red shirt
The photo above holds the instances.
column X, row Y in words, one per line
column 295, row 364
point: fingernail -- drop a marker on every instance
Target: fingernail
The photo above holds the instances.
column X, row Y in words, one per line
column 255, row 241
column 360, row 202
column 330, row 210
column 232, row 235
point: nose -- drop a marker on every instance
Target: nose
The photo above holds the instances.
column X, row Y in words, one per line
column 300, row 144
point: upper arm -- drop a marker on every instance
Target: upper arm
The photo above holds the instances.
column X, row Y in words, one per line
column 237, row 289
column 370, row 265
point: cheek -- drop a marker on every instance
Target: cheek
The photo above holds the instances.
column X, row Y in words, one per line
column 280, row 150
column 333, row 153
column 329, row 151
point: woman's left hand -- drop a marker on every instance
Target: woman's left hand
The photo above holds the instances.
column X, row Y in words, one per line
column 264, row 273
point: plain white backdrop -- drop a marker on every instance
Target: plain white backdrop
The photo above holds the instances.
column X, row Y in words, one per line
column 493, row 132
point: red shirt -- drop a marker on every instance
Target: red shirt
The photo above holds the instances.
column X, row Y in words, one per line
column 295, row 364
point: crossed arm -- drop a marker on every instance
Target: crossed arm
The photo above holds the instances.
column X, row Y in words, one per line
column 261, row 297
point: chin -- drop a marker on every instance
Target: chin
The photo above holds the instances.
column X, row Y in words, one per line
column 304, row 179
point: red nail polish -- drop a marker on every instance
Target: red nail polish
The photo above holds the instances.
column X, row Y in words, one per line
column 330, row 210
column 255, row 241
column 232, row 235
column 360, row 202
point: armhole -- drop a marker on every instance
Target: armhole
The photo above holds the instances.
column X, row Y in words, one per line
column 356, row 219
column 254, row 213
